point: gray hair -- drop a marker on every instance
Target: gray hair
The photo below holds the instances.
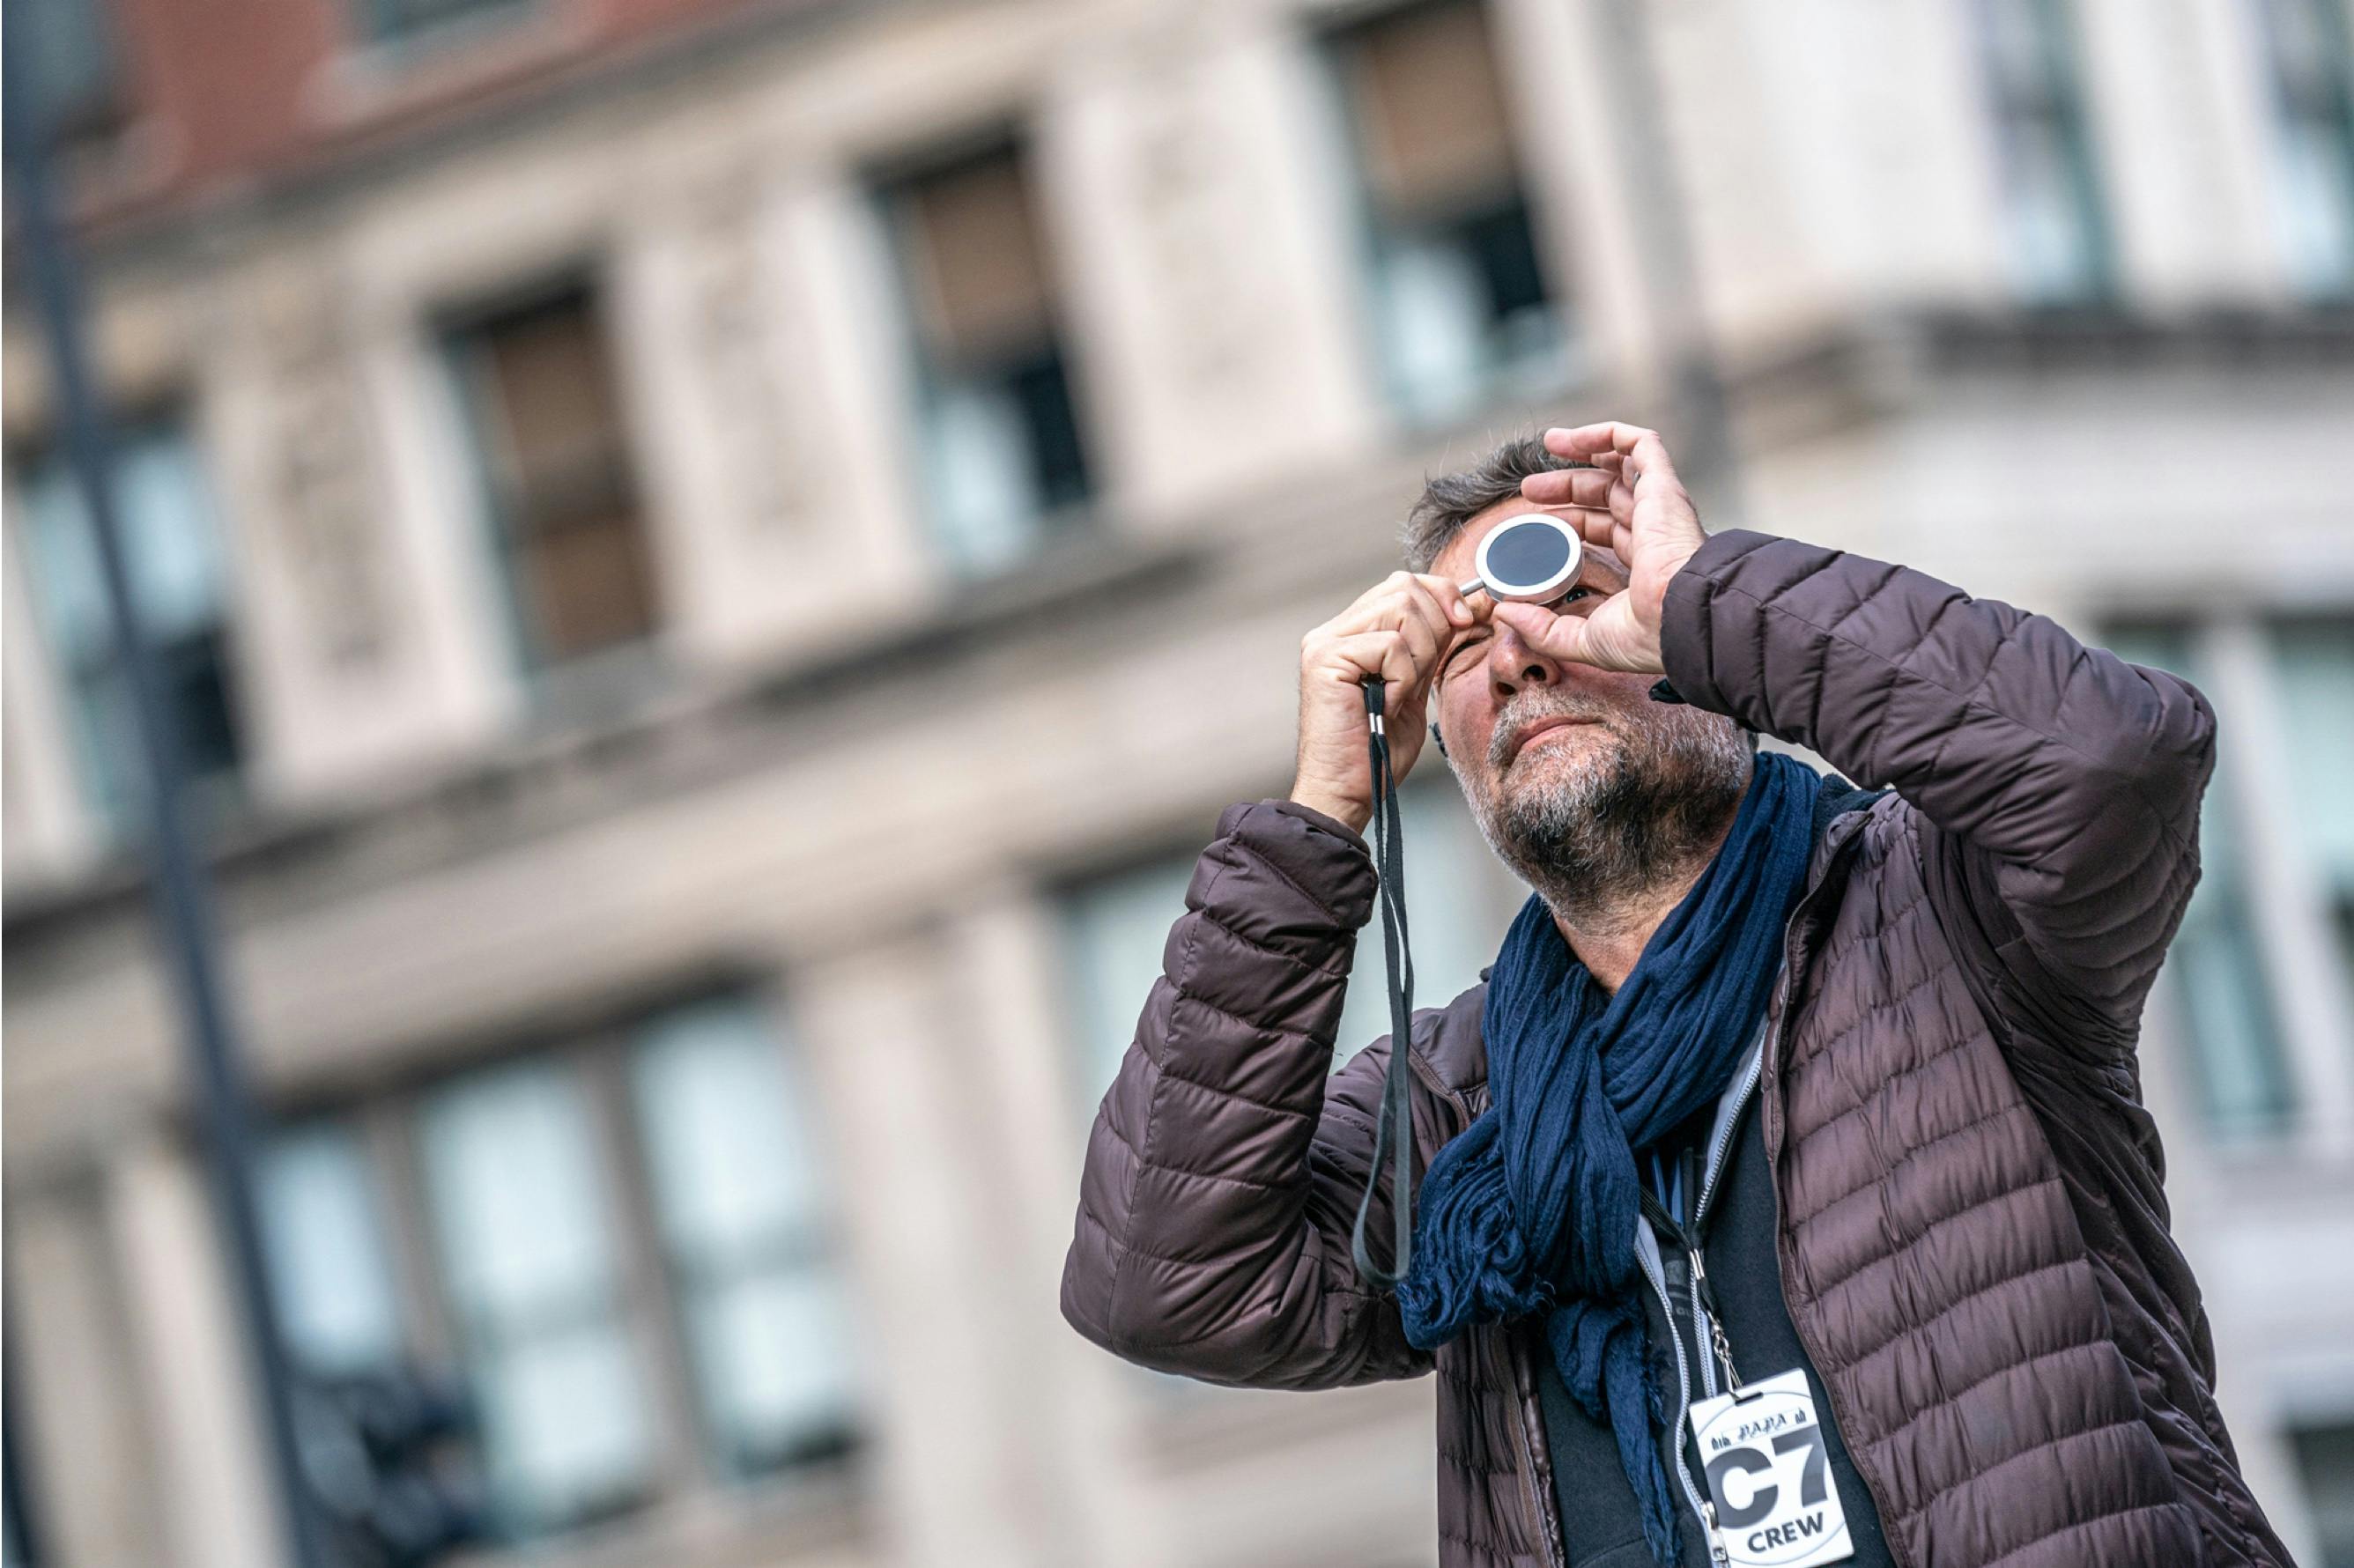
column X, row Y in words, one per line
column 1450, row 500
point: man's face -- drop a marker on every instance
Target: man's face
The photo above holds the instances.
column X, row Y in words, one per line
column 1579, row 780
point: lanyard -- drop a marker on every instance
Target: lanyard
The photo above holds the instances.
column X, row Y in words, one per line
column 1394, row 1129
column 1692, row 1237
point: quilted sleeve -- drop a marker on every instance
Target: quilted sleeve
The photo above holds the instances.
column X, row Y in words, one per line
column 1225, row 1164
column 2060, row 783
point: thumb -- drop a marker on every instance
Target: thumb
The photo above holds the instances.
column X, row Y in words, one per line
column 1556, row 636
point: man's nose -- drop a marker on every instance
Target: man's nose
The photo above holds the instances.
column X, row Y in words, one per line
column 1513, row 663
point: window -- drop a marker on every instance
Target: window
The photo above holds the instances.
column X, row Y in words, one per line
column 2240, row 1066
column 539, row 388
column 526, row 1242
column 1456, row 911
column 172, row 548
column 2054, row 230
column 559, row 1217
column 2314, row 668
column 1460, row 306
column 2312, row 69
column 330, row 1269
column 73, row 74
column 1003, row 463
column 1118, row 926
column 2325, row 1459
column 407, row 21
column 737, row 1198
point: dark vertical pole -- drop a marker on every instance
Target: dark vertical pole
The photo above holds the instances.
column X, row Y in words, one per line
column 1700, row 424
column 20, row 1531
column 183, row 900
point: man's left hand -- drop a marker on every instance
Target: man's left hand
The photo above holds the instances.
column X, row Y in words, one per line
column 1651, row 525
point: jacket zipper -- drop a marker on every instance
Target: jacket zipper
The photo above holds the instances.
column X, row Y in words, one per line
column 1718, row 1144
column 1675, row 1454
column 1718, row 1148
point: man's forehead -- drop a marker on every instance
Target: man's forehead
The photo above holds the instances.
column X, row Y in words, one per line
column 1456, row 559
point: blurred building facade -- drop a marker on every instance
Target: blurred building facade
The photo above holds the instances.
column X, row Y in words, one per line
column 717, row 560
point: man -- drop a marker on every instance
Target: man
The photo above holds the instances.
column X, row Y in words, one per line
column 1807, row 1111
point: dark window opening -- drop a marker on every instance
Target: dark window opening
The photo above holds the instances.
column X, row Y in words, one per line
column 171, row 540
column 1004, row 459
column 2055, row 226
column 2312, row 65
column 1462, row 307
column 545, row 410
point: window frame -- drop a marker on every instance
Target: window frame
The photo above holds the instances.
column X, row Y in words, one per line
column 683, row 1461
column 2285, row 109
column 2310, row 996
column 507, row 536
column 2063, row 99
column 1377, row 236
column 887, row 184
column 108, row 789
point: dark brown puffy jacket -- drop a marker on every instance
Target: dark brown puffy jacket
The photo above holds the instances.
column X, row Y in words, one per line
column 1973, row 1232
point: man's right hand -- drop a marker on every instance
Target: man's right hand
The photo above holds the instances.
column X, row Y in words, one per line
column 1397, row 630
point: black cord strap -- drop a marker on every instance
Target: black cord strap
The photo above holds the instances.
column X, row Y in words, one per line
column 1394, row 1129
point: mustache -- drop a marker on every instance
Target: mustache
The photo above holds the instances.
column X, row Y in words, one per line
column 1516, row 720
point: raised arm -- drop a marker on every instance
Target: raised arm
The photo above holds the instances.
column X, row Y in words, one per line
column 1225, row 1167
column 2063, row 782
column 2060, row 783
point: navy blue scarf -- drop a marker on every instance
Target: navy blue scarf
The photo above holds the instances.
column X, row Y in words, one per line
column 1532, row 1208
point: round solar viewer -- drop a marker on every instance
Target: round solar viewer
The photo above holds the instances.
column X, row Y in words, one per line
column 1528, row 559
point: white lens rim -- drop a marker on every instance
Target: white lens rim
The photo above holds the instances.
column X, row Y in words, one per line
column 1550, row 587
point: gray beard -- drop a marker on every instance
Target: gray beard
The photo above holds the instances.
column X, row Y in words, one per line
column 1645, row 814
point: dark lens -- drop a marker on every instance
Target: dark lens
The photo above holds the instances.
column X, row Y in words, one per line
column 1526, row 553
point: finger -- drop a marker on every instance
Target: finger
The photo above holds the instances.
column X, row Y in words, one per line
column 1384, row 603
column 1591, row 440
column 1423, row 624
column 1388, row 655
column 1595, row 527
column 1449, row 613
column 1446, row 598
column 1568, row 487
column 1405, row 607
column 1650, row 460
column 1365, row 610
column 1408, row 601
column 1557, row 636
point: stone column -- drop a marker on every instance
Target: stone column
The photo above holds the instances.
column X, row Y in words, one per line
column 1073, row 1406
column 216, row 1499
column 84, row 1447
column 926, row 1244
